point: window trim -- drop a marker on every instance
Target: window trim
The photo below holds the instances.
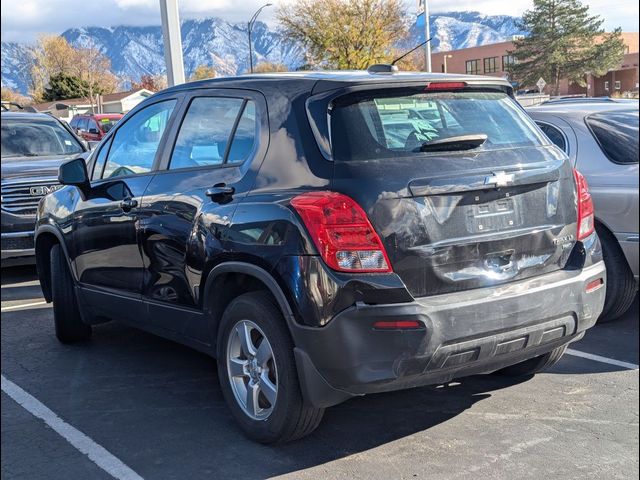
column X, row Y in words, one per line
column 597, row 140
column 178, row 97
column 567, row 148
column 477, row 71
column 505, row 66
column 495, row 64
column 262, row 135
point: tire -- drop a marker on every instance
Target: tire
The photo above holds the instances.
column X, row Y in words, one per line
column 534, row 365
column 621, row 284
column 66, row 315
column 288, row 417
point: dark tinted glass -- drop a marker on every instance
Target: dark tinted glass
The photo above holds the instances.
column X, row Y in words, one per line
column 100, row 159
column 617, row 134
column 205, row 132
column 554, row 134
column 384, row 125
column 245, row 136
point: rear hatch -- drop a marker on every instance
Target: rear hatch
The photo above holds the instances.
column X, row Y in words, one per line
column 461, row 186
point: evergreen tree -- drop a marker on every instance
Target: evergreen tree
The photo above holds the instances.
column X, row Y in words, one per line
column 62, row 87
column 564, row 41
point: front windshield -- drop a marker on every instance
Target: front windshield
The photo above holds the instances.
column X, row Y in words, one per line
column 34, row 138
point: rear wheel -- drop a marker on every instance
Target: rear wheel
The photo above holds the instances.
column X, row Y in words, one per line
column 621, row 284
column 257, row 372
column 66, row 315
column 535, row 364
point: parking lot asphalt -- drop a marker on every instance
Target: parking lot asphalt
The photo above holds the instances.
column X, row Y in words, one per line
column 156, row 406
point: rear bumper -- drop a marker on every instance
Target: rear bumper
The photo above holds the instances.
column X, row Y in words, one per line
column 465, row 333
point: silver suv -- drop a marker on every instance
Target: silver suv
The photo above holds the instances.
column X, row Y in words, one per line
column 601, row 138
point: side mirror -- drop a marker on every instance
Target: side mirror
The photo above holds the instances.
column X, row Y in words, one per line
column 94, row 131
column 74, row 172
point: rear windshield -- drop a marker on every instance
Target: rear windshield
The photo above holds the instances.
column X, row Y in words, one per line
column 617, row 134
column 383, row 124
column 34, row 138
column 107, row 124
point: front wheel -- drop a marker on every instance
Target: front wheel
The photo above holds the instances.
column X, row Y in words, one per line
column 257, row 372
column 534, row 365
column 66, row 314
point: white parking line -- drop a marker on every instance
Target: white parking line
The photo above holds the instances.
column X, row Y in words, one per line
column 24, row 305
column 598, row 358
column 97, row 454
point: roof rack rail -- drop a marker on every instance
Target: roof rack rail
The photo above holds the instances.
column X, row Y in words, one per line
column 382, row 68
column 6, row 106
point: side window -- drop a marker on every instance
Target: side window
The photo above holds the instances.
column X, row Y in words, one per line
column 93, row 126
column 617, row 134
column 136, row 142
column 100, row 159
column 554, row 134
column 244, row 139
column 74, row 123
column 83, row 124
column 203, row 139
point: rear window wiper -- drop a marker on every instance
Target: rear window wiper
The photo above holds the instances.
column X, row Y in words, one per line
column 452, row 144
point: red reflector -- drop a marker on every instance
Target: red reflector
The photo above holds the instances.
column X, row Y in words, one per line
column 586, row 214
column 446, row 85
column 342, row 232
column 396, row 325
column 594, row 285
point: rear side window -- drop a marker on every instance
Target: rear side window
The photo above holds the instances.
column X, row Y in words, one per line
column 215, row 130
column 383, row 124
column 554, row 134
column 617, row 134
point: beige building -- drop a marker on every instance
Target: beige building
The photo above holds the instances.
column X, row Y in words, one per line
column 494, row 59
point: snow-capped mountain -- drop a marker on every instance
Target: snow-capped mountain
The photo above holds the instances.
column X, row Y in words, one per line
column 135, row 51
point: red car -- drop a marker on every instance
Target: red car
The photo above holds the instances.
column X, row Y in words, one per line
column 92, row 127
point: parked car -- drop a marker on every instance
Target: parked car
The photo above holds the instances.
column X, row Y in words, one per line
column 34, row 145
column 93, row 127
column 601, row 140
column 281, row 224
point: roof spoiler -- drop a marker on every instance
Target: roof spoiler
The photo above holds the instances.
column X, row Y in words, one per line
column 382, row 68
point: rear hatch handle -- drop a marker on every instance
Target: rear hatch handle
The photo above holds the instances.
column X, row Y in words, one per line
column 466, row 182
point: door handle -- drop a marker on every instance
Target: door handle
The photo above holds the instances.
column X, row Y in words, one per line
column 220, row 192
column 128, row 204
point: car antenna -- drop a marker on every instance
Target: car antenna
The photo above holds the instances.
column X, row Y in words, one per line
column 411, row 51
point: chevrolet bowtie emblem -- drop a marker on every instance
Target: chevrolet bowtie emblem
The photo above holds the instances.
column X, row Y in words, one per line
column 499, row 179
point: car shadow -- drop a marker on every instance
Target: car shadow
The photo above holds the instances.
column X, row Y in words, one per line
column 158, row 407
column 18, row 274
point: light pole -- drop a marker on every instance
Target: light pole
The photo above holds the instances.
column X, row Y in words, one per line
column 427, row 34
column 172, row 41
column 250, row 25
column 445, row 61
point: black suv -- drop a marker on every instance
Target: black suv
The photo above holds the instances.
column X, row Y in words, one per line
column 328, row 235
column 34, row 145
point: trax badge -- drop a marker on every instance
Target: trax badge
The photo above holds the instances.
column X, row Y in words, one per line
column 499, row 179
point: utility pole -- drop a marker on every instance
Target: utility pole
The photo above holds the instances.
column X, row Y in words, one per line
column 249, row 27
column 427, row 34
column 172, row 42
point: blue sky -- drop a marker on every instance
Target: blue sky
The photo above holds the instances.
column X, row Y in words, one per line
column 23, row 20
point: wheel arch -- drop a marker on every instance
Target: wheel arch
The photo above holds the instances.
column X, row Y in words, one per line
column 46, row 237
column 230, row 279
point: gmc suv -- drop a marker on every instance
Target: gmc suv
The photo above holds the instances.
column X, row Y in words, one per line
column 327, row 235
column 34, row 145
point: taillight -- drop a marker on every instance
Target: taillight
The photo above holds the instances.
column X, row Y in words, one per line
column 586, row 216
column 342, row 232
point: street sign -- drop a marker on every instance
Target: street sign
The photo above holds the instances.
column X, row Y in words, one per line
column 541, row 84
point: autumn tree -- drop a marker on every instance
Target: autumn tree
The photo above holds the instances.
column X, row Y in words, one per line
column 51, row 56
column 202, row 72
column 266, row 67
column 564, row 42
column 10, row 95
column 154, row 83
column 345, row 34
column 93, row 68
